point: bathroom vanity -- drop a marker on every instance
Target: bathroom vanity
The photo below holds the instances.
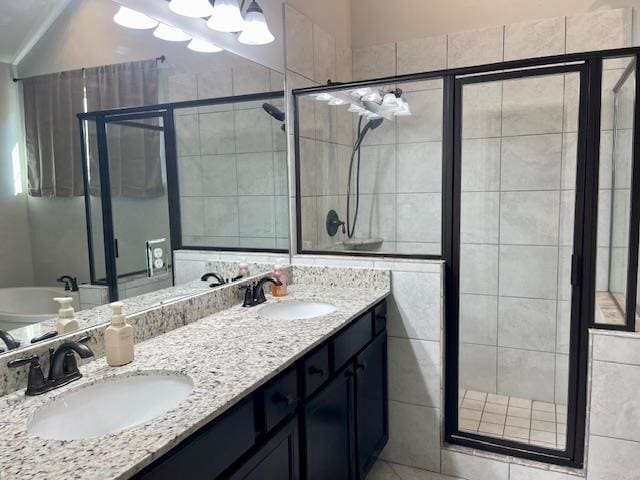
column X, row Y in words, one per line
column 324, row 417
column 263, row 392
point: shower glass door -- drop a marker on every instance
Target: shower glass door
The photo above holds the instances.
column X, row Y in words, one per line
column 515, row 194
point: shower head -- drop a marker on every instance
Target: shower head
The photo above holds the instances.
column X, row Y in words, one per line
column 375, row 123
column 274, row 112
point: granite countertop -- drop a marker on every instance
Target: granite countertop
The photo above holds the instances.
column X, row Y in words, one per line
column 227, row 355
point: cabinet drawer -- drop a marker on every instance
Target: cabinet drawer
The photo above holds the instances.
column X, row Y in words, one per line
column 351, row 340
column 280, row 398
column 316, row 370
column 379, row 318
column 210, row 451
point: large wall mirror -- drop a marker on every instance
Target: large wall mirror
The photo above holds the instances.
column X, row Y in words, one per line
column 117, row 148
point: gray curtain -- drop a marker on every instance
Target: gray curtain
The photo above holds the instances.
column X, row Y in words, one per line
column 54, row 160
column 134, row 153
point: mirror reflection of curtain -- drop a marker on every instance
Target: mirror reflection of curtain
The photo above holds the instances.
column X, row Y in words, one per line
column 134, row 153
column 54, row 159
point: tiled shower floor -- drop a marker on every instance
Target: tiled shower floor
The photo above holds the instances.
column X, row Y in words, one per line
column 512, row 418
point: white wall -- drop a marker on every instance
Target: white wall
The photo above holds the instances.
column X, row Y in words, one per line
column 381, row 21
column 16, row 268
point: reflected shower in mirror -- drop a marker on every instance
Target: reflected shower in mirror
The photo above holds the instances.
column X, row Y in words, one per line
column 54, row 212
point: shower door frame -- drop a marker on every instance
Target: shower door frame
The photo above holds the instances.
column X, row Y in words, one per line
column 582, row 268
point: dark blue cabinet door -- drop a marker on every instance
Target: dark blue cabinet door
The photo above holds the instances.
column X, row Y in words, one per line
column 329, row 442
column 371, row 403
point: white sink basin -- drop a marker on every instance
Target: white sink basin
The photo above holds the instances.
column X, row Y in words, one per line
column 295, row 310
column 110, row 405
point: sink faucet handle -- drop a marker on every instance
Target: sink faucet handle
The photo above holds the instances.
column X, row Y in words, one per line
column 45, row 336
column 36, row 383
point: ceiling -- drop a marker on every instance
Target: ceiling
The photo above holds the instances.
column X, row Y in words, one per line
column 22, row 23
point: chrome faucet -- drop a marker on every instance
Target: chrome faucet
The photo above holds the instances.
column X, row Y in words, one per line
column 254, row 295
column 63, row 369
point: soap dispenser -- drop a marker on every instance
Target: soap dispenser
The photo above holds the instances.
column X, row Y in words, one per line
column 280, row 275
column 118, row 338
column 66, row 322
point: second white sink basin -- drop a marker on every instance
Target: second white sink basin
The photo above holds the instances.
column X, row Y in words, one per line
column 110, row 405
column 295, row 310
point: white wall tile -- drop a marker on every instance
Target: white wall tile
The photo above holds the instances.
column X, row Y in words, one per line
column 479, row 217
column 422, row 55
column 475, row 47
column 425, row 122
column 531, row 162
column 414, row 436
column 482, row 110
column 528, row 271
column 419, row 167
column 424, row 227
column 190, row 176
column 254, row 131
column 187, row 138
column 324, row 56
column 299, row 42
column 414, row 371
column 344, row 65
column 526, row 374
column 219, row 175
column 221, row 216
column 479, row 319
column 534, row 38
column 479, row 269
column 527, row 323
column 376, row 61
column 529, row 218
column 478, row 367
column 251, row 79
column 611, row 458
column 481, row 164
column 599, row 30
column 613, row 348
column 217, row 133
column 258, row 216
column 533, row 105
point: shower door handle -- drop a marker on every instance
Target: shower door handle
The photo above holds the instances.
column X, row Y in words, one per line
column 576, row 270
column 115, row 245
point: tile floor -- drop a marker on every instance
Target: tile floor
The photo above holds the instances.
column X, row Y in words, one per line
column 392, row 471
column 512, row 418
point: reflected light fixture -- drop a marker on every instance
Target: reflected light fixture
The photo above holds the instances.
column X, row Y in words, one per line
column 171, row 34
column 129, row 18
column 202, row 46
column 191, row 8
column 255, row 31
column 226, row 17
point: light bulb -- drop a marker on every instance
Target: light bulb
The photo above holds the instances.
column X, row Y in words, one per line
column 226, row 17
column 372, row 97
column 255, row 31
column 191, row 8
column 203, row 46
column 361, row 92
column 356, row 108
column 323, row 97
column 336, row 101
column 171, row 34
column 129, row 18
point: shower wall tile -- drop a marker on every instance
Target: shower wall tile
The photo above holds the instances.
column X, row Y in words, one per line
column 308, row 167
column 528, row 271
column 414, row 371
column 567, row 216
column 414, row 436
column 385, row 134
column 215, row 84
column 282, row 216
column 422, row 55
column 529, row 218
column 219, row 175
column 564, row 273
column 187, row 137
column 475, row 47
column 192, row 215
column 326, row 122
column 482, row 112
column 344, row 65
column 535, row 38
column 527, row 323
column 253, row 79
column 425, row 122
column 479, row 269
column 612, row 458
column 571, row 102
column 533, row 105
column 478, row 367
column 599, row 30
column 190, row 179
column 419, row 167
column 221, row 216
column 481, row 165
column 258, row 216
column 378, row 169
column 479, row 217
column 217, row 133
column 562, row 379
column 376, row 61
column 526, row 374
column 280, row 173
column 531, row 162
column 344, row 127
column 563, row 326
column 479, row 319
column 380, row 212
column 254, row 131
column 326, row 169
column 182, row 87
column 299, row 41
column 255, row 173
column 569, row 160
column 309, row 225
column 276, row 81
column 324, row 56
column 419, row 217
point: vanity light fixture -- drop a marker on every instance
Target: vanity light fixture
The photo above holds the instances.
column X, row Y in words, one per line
column 226, row 17
column 255, row 31
column 202, row 46
column 370, row 103
column 171, row 34
column 129, row 18
column 192, row 8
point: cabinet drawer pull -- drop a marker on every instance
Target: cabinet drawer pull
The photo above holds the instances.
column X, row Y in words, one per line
column 286, row 399
column 316, row 371
column 361, row 366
